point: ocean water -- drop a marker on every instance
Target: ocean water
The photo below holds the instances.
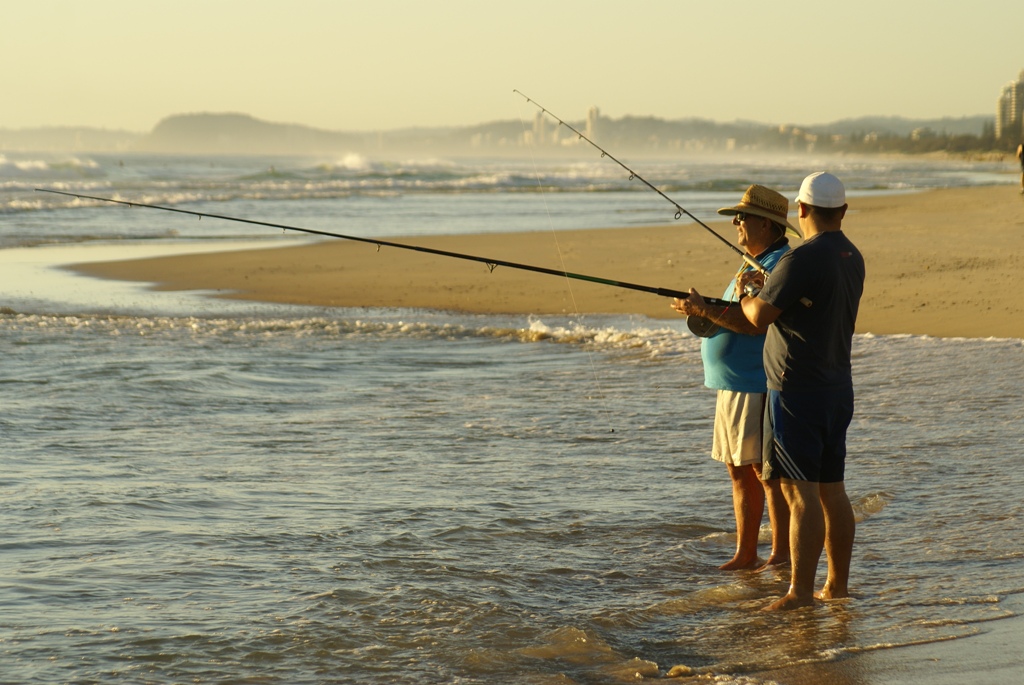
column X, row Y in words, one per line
column 204, row 491
column 362, row 196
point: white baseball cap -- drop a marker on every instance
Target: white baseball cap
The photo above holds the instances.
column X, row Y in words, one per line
column 822, row 189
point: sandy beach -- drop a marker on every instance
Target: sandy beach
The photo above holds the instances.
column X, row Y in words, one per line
column 940, row 263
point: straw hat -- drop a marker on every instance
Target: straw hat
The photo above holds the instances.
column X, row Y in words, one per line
column 761, row 201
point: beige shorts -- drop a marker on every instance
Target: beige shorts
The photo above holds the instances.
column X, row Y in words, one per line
column 741, row 427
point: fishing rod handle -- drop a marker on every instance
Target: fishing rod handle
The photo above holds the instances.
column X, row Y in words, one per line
column 755, row 265
column 679, row 294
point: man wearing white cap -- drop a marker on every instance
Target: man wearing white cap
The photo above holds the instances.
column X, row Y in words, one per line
column 733, row 355
column 810, row 305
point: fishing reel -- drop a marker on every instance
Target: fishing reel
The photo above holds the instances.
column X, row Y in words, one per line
column 703, row 327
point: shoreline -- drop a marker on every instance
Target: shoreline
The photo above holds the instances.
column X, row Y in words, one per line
column 991, row 655
column 937, row 262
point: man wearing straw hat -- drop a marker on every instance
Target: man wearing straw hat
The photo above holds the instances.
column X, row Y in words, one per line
column 810, row 304
column 732, row 353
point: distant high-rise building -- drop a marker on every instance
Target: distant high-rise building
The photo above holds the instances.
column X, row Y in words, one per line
column 593, row 115
column 1010, row 108
column 540, row 129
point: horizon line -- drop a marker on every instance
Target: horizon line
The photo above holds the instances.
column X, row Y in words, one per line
column 457, row 126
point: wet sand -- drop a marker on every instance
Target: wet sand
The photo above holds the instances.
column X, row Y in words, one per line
column 993, row 655
column 941, row 263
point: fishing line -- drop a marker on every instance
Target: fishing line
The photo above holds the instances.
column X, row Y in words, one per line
column 489, row 262
column 547, row 211
column 595, row 376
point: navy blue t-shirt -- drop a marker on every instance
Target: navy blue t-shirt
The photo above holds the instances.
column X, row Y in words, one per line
column 808, row 348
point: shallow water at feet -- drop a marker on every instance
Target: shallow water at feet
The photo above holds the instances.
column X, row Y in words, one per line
column 286, row 497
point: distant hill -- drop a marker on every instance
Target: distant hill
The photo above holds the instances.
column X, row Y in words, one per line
column 899, row 126
column 240, row 134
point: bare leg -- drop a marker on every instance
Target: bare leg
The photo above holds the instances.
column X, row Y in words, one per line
column 748, row 505
column 806, row 540
column 778, row 518
column 1020, row 158
column 840, row 529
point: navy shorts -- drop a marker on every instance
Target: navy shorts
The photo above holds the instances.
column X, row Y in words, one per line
column 808, row 435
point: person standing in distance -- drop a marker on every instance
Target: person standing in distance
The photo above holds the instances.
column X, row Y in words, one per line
column 1020, row 158
column 810, row 305
column 732, row 354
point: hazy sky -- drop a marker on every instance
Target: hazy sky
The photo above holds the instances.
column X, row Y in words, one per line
column 383, row 64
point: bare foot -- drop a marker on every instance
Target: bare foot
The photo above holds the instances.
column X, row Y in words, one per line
column 772, row 562
column 790, row 601
column 828, row 592
column 738, row 563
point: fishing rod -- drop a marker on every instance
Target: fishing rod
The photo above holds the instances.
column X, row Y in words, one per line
column 680, row 210
column 491, row 264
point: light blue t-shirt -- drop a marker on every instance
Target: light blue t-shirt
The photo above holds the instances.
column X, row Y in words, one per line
column 734, row 361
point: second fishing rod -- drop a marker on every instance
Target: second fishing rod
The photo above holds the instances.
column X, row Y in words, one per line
column 680, row 210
